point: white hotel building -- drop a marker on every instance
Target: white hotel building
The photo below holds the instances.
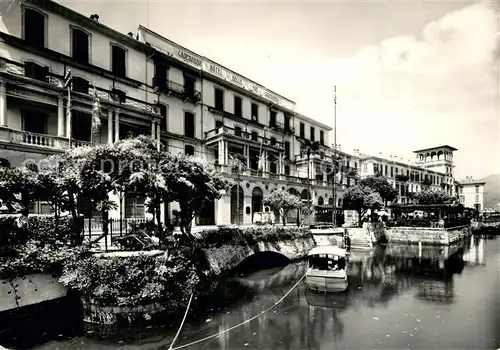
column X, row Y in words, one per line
column 150, row 85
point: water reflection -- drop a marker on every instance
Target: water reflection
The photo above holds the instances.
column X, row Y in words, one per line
column 390, row 290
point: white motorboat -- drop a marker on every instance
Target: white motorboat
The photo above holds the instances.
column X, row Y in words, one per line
column 327, row 269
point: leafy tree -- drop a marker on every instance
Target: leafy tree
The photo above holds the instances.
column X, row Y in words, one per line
column 380, row 185
column 361, row 198
column 192, row 183
column 433, row 196
column 282, row 201
column 19, row 186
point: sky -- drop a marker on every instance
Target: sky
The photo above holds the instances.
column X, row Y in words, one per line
column 409, row 74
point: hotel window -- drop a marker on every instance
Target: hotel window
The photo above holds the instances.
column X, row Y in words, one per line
column 477, row 198
column 287, row 122
column 312, row 134
column 273, row 141
column 189, row 124
column 272, row 118
column 34, row 27
column 287, row 149
column 392, row 171
column 189, row 85
column 134, row 207
column 477, row 188
column 302, row 132
column 255, row 136
column 80, row 45
column 219, row 99
column 237, row 106
column 81, row 85
column 160, row 78
column 237, row 131
column 255, row 112
column 189, row 150
column 34, row 121
column 118, row 61
column 287, row 169
column 36, row 71
column 321, row 137
column 385, row 169
column 163, row 113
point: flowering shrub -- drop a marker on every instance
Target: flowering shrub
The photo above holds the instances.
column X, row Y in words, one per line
column 42, row 247
column 140, row 279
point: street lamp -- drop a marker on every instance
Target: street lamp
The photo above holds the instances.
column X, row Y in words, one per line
column 237, row 166
column 310, row 148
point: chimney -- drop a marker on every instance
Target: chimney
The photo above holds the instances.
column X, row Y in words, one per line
column 95, row 17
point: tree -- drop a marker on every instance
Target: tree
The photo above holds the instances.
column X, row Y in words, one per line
column 380, row 185
column 433, row 196
column 361, row 198
column 19, row 186
column 192, row 183
column 282, row 201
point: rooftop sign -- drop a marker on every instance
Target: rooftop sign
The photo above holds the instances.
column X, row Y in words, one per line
column 177, row 52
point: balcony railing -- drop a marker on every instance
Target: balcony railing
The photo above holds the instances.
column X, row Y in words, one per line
column 18, row 69
column 42, row 140
column 172, row 88
column 226, row 130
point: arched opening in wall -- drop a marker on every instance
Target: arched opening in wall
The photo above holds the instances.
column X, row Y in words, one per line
column 234, row 204
column 330, row 201
column 321, row 201
column 4, row 163
column 433, row 156
column 440, row 155
column 207, row 214
column 305, row 196
column 261, row 261
column 257, row 198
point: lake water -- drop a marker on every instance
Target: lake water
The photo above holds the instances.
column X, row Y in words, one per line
column 398, row 297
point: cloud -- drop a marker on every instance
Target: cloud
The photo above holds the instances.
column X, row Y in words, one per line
column 411, row 92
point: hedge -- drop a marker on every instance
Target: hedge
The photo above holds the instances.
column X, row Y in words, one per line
column 43, row 247
column 249, row 236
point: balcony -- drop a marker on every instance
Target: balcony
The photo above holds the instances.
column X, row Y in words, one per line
column 240, row 135
column 19, row 71
column 178, row 90
column 42, row 141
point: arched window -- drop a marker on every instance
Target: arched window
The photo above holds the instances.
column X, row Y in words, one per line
column 321, row 201
column 4, row 163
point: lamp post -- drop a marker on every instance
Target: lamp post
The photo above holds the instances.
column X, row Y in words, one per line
column 238, row 166
column 310, row 148
column 68, row 84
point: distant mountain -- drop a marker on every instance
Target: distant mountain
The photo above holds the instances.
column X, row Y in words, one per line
column 491, row 190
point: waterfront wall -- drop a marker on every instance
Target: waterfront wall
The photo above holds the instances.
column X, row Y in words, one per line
column 227, row 257
column 29, row 290
column 427, row 235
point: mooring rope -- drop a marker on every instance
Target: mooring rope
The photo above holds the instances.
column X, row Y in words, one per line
column 182, row 323
column 239, row 324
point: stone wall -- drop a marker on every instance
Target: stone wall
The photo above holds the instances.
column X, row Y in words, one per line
column 426, row 235
column 28, row 290
column 226, row 257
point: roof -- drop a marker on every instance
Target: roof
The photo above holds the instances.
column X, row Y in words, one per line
column 313, row 121
column 328, row 249
column 435, row 148
column 465, row 183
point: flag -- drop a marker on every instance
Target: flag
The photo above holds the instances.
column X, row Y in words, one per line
column 261, row 158
column 96, row 111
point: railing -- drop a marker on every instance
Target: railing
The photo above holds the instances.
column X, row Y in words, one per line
column 433, row 223
column 16, row 68
column 42, row 140
column 93, row 227
column 244, row 135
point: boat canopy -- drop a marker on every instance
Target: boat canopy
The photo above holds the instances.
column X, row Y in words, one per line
column 328, row 250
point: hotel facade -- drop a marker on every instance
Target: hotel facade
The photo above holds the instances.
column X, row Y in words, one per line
column 147, row 84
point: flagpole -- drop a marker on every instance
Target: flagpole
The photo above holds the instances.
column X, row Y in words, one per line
column 334, row 209
column 68, row 84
